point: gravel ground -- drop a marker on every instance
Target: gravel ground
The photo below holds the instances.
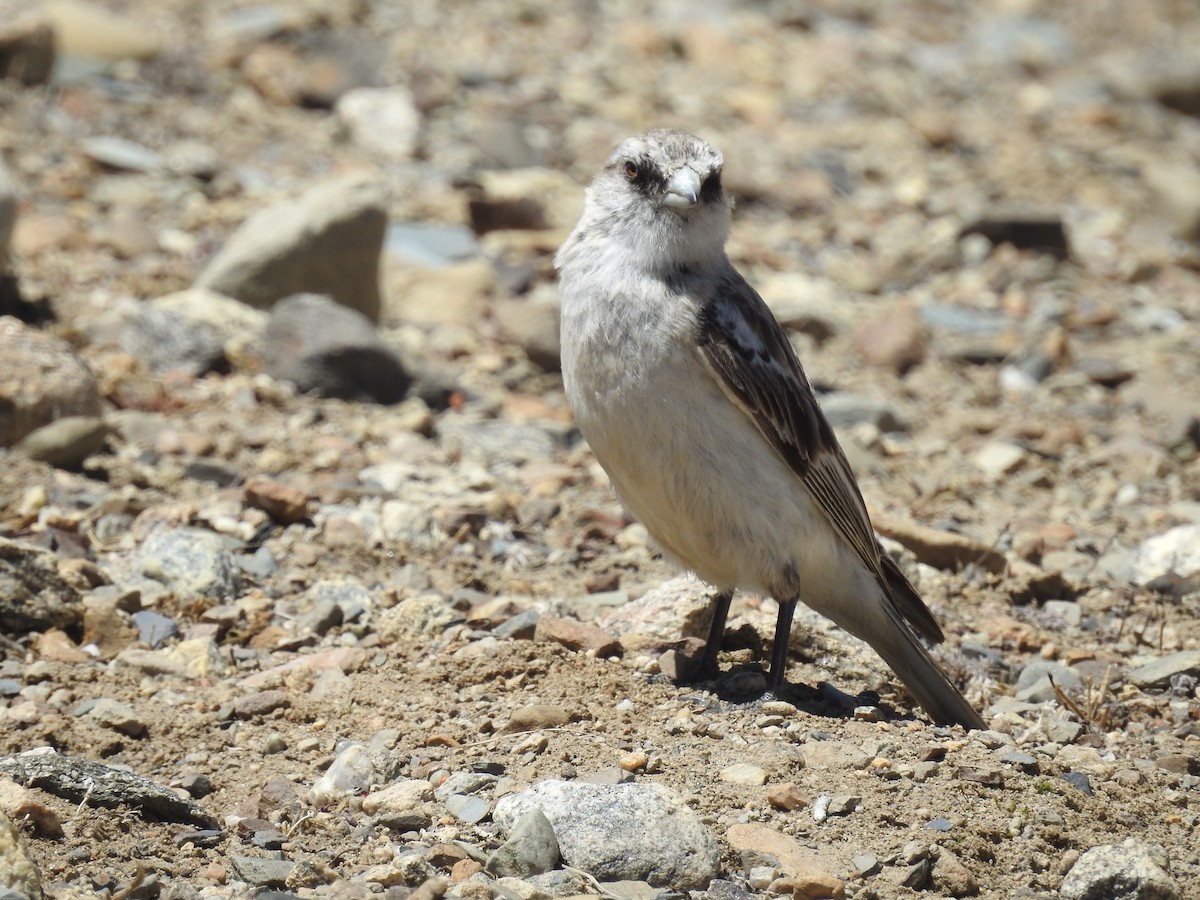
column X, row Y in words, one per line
column 324, row 623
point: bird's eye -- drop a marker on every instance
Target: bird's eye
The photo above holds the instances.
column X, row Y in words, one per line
column 632, row 171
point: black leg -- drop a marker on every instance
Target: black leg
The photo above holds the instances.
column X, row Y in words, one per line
column 716, row 631
column 779, row 652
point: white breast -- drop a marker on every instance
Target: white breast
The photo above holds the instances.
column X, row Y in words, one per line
column 687, row 462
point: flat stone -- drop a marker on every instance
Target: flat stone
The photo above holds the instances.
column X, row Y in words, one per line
column 430, row 245
column 577, row 636
column 154, row 629
column 534, row 327
column 744, row 773
column 121, row 153
column 980, row 775
column 74, row 778
column 679, row 607
column 168, row 341
column 66, row 443
column 262, row 871
column 467, row 808
column 227, row 328
column 261, row 703
column 833, row 755
column 810, row 872
column 1061, row 731
column 538, row 715
column 1079, row 781
column 1158, row 674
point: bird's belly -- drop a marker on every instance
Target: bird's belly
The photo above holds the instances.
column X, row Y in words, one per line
column 708, row 486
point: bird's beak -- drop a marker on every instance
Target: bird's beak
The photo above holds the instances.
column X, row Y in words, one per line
column 683, row 189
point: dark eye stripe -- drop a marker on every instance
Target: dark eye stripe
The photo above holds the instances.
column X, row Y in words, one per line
column 711, row 188
column 646, row 177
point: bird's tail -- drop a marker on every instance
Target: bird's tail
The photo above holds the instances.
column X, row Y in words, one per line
column 908, row 658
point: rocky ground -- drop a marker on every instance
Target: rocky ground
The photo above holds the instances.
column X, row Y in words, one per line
column 323, row 596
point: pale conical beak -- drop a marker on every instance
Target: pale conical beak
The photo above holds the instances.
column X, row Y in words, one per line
column 683, row 189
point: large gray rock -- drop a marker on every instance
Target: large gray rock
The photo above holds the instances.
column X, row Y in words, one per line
column 621, row 832
column 192, row 562
column 329, row 350
column 1158, row 674
column 1128, row 871
column 41, row 379
column 167, row 341
column 326, row 241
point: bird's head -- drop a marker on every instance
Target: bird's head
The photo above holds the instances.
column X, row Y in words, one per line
column 660, row 197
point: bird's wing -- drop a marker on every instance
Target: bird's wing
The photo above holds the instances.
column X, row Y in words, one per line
column 751, row 358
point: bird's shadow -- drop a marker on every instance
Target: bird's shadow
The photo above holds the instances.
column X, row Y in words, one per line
column 745, row 685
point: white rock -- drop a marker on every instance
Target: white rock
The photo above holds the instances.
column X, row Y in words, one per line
column 384, row 120
column 1175, row 552
column 744, row 773
column 998, row 457
column 351, row 773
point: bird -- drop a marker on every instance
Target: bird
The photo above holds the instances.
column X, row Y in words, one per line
column 695, row 404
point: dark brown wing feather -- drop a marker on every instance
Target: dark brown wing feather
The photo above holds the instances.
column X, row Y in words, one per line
column 752, row 359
